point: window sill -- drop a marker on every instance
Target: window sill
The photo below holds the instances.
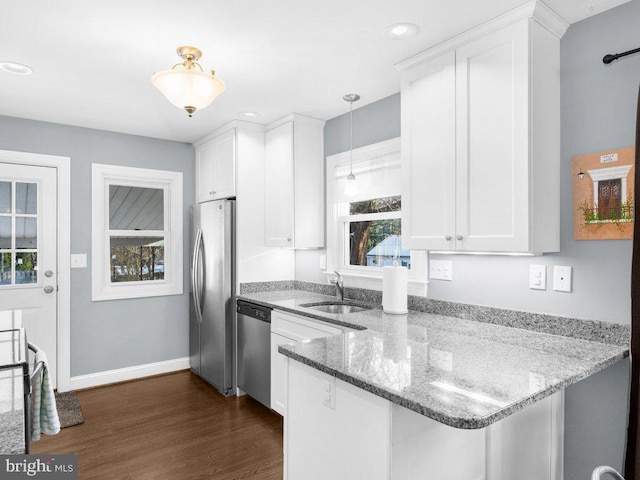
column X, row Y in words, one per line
column 135, row 291
column 373, row 281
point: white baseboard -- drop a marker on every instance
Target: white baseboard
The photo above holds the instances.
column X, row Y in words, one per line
column 128, row 373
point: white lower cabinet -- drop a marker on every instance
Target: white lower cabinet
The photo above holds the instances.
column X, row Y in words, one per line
column 286, row 329
column 278, row 373
column 358, row 435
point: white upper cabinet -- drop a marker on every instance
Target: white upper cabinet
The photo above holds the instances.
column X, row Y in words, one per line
column 295, row 183
column 481, row 138
column 216, row 167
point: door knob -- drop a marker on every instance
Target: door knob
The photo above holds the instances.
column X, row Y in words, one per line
column 48, row 289
column 48, row 274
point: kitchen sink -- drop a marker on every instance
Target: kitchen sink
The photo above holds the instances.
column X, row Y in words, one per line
column 336, row 307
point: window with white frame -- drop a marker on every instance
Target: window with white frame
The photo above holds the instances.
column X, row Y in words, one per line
column 137, row 232
column 364, row 231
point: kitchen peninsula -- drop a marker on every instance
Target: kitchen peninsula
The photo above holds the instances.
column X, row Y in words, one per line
column 430, row 394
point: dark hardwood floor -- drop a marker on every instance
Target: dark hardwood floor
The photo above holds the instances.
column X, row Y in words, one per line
column 171, row 427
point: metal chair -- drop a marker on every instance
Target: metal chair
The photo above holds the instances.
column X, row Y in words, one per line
column 599, row 472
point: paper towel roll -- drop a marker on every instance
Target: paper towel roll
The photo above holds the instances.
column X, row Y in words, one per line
column 394, row 290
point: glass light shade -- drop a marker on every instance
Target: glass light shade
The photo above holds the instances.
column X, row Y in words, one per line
column 188, row 88
column 351, row 187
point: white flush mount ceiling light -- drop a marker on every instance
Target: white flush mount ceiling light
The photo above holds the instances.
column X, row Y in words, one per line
column 351, row 187
column 400, row 31
column 186, row 84
column 16, row 68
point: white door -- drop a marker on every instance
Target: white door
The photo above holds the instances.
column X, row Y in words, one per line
column 28, row 262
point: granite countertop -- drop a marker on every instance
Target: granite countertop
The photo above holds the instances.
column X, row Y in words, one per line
column 462, row 373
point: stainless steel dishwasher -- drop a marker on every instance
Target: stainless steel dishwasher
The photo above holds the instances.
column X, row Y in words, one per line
column 254, row 351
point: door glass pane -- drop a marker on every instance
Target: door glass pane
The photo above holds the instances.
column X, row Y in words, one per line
column 26, row 198
column 5, row 232
column 26, row 232
column 26, row 268
column 377, row 243
column 5, row 197
column 135, row 259
column 5, row 268
column 136, row 208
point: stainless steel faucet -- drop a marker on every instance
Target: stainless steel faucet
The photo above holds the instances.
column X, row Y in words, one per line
column 339, row 283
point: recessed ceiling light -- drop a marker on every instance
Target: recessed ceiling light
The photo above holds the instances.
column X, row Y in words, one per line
column 399, row 31
column 252, row 115
column 16, row 68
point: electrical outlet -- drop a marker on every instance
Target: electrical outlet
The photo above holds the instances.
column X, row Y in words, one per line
column 329, row 392
column 441, row 270
column 562, row 278
column 538, row 277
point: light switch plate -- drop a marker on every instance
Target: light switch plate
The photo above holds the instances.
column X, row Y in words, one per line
column 441, row 269
column 538, row 277
column 562, row 278
column 79, row 260
column 323, row 262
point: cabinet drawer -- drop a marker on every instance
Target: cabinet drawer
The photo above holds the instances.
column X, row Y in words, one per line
column 300, row 328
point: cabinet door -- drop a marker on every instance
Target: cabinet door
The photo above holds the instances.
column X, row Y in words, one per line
column 350, row 439
column 287, row 329
column 215, row 168
column 224, row 179
column 278, row 373
column 428, row 155
column 279, row 186
column 492, row 118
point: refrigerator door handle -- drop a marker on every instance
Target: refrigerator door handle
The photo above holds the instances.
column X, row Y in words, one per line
column 197, row 292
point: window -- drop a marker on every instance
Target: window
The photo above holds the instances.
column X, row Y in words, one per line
column 137, row 232
column 18, row 233
column 364, row 231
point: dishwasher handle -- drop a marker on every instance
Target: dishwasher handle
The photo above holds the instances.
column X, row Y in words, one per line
column 254, row 311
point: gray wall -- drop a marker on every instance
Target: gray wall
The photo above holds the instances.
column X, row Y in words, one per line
column 118, row 333
column 598, row 109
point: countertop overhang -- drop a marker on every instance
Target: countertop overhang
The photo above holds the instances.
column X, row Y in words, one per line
column 462, row 373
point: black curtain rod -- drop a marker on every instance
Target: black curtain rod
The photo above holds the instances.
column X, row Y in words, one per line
column 610, row 58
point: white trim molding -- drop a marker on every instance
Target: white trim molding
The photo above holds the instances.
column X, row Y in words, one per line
column 63, row 169
column 535, row 10
column 129, row 373
column 171, row 183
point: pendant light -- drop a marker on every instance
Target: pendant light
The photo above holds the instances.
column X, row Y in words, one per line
column 351, row 187
column 186, row 87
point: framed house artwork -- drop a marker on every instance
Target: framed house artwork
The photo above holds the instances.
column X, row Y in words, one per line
column 603, row 195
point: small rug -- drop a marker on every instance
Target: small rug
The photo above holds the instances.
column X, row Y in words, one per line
column 69, row 409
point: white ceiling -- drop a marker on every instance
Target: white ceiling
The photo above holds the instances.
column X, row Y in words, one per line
column 93, row 60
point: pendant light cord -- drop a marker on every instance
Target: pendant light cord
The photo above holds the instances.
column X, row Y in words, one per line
column 351, row 137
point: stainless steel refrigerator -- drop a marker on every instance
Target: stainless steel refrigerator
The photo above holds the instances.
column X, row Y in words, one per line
column 212, row 293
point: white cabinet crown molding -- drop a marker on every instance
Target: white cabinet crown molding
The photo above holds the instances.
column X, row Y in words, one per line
column 254, row 127
column 296, row 118
column 534, row 9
